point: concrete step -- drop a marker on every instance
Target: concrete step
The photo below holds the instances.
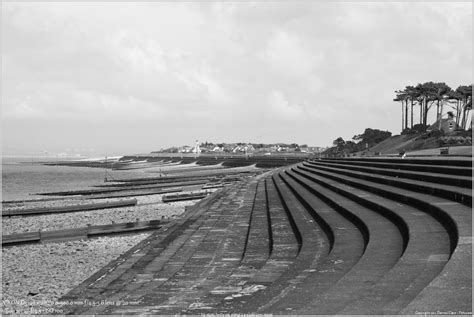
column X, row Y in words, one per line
column 223, row 278
column 346, row 246
column 258, row 245
column 451, row 214
column 347, row 240
column 283, row 249
column 455, row 218
column 451, row 290
column 424, row 256
column 283, row 241
column 210, row 262
column 453, row 180
column 255, row 254
column 285, row 244
column 454, row 193
column 435, row 161
column 175, row 276
column 314, row 249
column 384, row 245
column 120, row 273
column 428, row 166
column 314, row 246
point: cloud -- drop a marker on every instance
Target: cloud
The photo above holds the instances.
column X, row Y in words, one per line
column 226, row 65
column 285, row 53
column 282, row 107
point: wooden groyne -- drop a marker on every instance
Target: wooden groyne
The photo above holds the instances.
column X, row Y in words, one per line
column 185, row 196
column 135, row 193
column 215, row 185
column 79, row 233
column 216, row 175
column 71, row 208
column 153, row 180
column 121, row 189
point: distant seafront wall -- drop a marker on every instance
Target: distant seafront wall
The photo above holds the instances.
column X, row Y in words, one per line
column 227, row 160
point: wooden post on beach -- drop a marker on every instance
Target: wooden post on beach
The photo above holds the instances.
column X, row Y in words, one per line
column 105, row 170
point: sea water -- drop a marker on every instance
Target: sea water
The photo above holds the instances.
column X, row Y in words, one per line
column 24, row 177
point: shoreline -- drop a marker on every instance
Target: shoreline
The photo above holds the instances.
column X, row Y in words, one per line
column 45, row 272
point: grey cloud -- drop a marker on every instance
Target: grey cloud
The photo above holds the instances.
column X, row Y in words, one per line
column 247, row 70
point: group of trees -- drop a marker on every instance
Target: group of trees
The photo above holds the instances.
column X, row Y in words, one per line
column 359, row 142
column 428, row 94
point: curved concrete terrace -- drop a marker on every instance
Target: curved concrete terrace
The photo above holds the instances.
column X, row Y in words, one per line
column 348, row 236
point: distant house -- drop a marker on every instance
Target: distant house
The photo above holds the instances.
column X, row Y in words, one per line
column 229, row 147
column 249, row 148
column 447, row 125
column 237, row 149
column 316, row 149
column 185, row 149
column 207, row 148
column 243, row 148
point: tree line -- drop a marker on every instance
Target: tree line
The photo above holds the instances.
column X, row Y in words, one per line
column 425, row 95
column 360, row 142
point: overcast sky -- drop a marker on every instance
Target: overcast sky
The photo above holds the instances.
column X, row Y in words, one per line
column 120, row 78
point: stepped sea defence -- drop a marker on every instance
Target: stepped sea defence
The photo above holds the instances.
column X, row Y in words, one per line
column 318, row 237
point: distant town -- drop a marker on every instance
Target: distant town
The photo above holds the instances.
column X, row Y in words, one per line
column 240, row 147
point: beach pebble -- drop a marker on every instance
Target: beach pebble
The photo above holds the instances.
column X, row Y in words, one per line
column 33, row 275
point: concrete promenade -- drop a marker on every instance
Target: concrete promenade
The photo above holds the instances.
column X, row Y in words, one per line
column 341, row 236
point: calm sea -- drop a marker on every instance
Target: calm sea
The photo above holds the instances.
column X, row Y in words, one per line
column 23, row 178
